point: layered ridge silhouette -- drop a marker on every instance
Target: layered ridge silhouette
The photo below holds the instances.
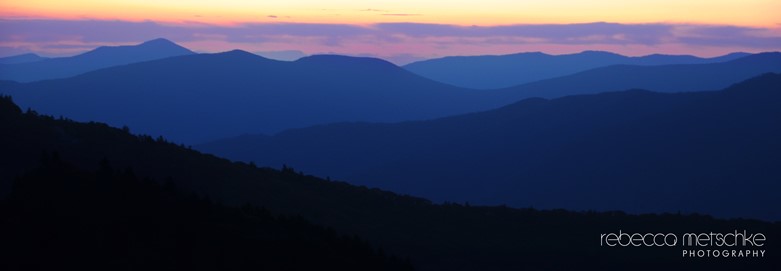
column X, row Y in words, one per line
column 500, row 71
column 637, row 151
column 208, row 96
column 108, row 213
column 198, row 98
column 664, row 78
column 27, row 68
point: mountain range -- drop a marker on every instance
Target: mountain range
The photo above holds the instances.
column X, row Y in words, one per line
column 27, row 68
column 515, row 162
column 89, row 196
column 500, row 71
column 663, row 78
column 639, row 151
column 203, row 97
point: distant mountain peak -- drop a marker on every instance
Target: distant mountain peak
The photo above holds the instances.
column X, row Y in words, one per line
column 331, row 59
column 161, row 43
column 154, row 46
column 768, row 57
column 101, row 57
column 23, row 58
column 597, row 52
column 237, row 52
column 528, row 54
column 242, row 54
column 775, row 54
column 158, row 41
column 502, row 71
column 737, row 54
column 24, row 55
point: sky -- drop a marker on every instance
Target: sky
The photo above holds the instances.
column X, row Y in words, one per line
column 397, row 30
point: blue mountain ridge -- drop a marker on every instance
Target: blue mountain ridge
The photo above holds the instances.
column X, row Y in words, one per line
column 198, row 98
column 712, row 152
column 23, row 58
column 500, row 71
column 101, row 57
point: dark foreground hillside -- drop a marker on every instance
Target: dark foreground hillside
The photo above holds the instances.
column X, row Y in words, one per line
column 60, row 218
column 65, row 213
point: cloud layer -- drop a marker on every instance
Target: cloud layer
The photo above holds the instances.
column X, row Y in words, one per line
column 407, row 40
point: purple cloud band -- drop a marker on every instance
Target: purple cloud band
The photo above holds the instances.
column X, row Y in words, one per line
column 92, row 31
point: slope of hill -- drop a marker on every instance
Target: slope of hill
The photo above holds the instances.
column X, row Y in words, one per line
column 638, row 151
column 434, row 237
column 99, row 58
column 109, row 219
column 23, row 58
column 489, row 72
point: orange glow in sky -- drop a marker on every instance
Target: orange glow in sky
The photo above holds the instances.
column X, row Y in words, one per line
column 761, row 13
column 371, row 27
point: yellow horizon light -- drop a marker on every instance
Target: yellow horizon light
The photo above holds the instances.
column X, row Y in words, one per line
column 754, row 13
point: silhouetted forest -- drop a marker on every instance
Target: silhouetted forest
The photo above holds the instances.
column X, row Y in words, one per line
column 61, row 212
column 60, row 218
